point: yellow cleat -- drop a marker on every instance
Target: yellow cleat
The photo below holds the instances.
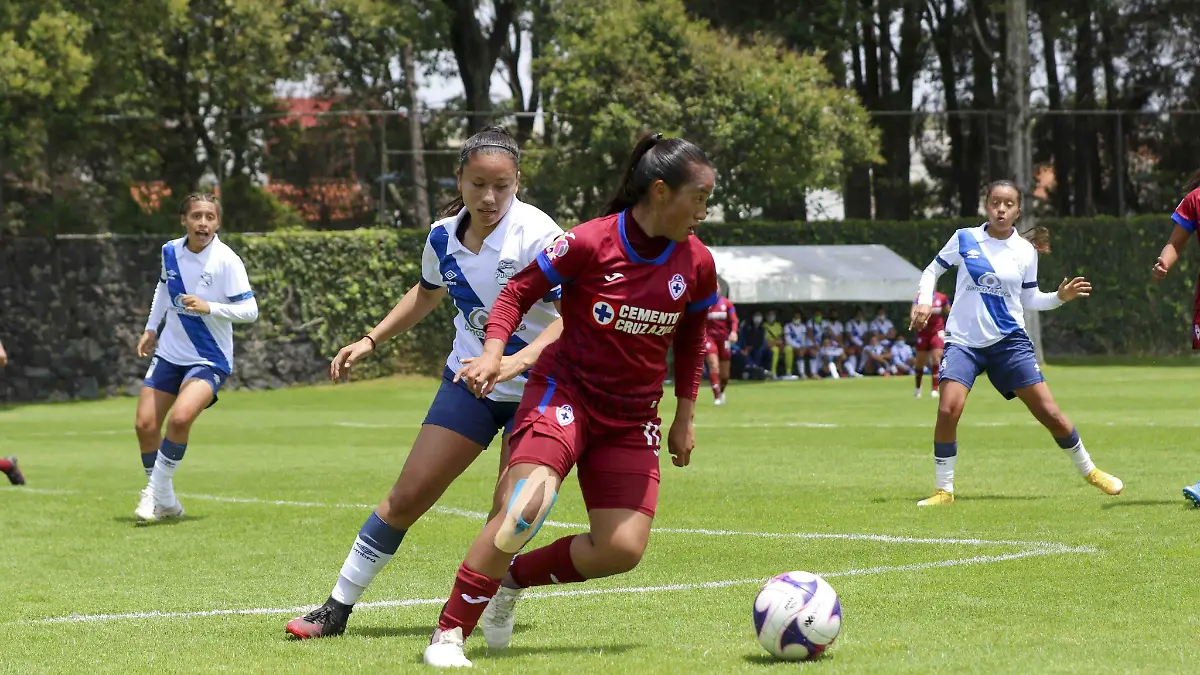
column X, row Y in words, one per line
column 940, row 498
column 1108, row 483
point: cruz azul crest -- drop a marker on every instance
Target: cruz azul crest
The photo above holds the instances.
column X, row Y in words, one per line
column 677, row 286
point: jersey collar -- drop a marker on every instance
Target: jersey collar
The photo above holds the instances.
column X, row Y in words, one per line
column 494, row 241
column 662, row 257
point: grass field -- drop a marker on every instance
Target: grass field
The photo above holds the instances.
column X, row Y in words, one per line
column 1054, row 576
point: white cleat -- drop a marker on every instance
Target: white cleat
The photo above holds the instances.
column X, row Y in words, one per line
column 917, row 394
column 934, row 394
column 445, row 650
column 151, row 510
column 498, row 619
column 720, row 400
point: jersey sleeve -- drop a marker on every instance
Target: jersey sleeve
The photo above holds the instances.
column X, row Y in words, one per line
column 431, row 267
column 704, row 292
column 545, row 238
column 1031, row 273
column 949, row 256
column 566, row 257
column 1187, row 214
column 237, row 282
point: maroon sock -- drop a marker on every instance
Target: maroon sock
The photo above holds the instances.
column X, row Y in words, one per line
column 468, row 599
column 920, row 374
column 546, row 565
column 5, row 465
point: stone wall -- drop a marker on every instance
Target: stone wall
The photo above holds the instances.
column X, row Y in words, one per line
column 72, row 310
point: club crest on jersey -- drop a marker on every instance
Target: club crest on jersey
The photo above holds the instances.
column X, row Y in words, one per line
column 206, row 279
column 564, row 414
column 603, row 312
column 677, row 286
column 505, row 271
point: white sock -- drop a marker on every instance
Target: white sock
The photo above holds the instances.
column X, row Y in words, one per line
column 160, row 479
column 1079, row 455
column 944, row 470
column 814, row 367
column 365, row 560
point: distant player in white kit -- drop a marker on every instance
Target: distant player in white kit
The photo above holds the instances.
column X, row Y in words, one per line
column 997, row 281
column 202, row 291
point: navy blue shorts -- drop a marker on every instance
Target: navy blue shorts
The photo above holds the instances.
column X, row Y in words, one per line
column 169, row 377
column 457, row 409
column 1010, row 364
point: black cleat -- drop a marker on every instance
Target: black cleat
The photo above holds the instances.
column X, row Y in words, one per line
column 14, row 474
column 328, row 620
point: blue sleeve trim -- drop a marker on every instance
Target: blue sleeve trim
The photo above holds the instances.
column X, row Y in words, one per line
column 547, row 267
column 1029, row 284
column 429, row 286
column 701, row 305
column 241, row 296
column 1183, row 222
column 939, row 260
column 554, row 295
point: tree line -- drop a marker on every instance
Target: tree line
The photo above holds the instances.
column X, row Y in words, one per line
column 97, row 99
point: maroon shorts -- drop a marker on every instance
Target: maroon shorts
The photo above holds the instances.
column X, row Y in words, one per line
column 927, row 342
column 718, row 347
column 617, row 459
column 1196, row 320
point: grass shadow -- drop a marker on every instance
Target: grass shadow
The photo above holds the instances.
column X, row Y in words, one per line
column 1149, row 502
column 131, row 520
column 517, row 652
column 958, row 498
column 768, row 660
column 407, row 631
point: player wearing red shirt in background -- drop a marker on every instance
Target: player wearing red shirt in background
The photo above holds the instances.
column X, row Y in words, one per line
column 8, row 465
column 634, row 282
column 931, row 343
column 1187, row 218
column 721, row 331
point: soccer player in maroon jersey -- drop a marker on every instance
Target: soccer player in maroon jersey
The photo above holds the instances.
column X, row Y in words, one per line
column 931, row 343
column 8, row 465
column 1187, row 220
column 721, row 331
column 635, row 281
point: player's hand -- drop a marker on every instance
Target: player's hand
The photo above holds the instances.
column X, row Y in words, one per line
column 146, row 344
column 195, row 305
column 1160, row 270
column 3, row 357
column 510, row 367
column 339, row 368
column 1078, row 287
column 918, row 316
column 681, row 440
column 482, row 374
column 733, row 338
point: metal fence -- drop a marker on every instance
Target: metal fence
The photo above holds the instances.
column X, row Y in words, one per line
column 342, row 169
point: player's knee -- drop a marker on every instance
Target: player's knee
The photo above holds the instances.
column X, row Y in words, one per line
column 406, row 503
column 144, row 425
column 180, row 421
column 530, row 504
column 622, row 553
column 949, row 409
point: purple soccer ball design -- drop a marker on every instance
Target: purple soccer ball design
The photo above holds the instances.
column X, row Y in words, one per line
column 797, row 616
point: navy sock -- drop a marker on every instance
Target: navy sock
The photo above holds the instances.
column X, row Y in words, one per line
column 148, row 459
column 944, row 450
column 172, row 451
column 1069, row 441
column 381, row 536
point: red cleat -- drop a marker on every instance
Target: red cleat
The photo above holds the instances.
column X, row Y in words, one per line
column 328, row 620
column 13, row 472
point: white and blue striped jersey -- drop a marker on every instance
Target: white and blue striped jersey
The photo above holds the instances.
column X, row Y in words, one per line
column 475, row 281
column 795, row 335
column 215, row 275
column 902, row 352
column 997, row 282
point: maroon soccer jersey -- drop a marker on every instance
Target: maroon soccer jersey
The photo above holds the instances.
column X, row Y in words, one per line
column 722, row 320
column 1187, row 214
column 620, row 311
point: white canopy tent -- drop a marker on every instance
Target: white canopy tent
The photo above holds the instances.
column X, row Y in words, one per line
column 787, row 274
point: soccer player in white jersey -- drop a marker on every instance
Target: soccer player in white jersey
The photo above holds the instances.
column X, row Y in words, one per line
column 985, row 333
column 202, row 291
column 482, row 240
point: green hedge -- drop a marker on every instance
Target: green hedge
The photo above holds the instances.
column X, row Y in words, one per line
column 1127, row 314
column 333, row 286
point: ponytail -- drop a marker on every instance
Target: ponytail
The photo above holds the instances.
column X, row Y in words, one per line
column 654, row 158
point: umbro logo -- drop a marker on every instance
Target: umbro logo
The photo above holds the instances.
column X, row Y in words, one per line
column 475, row 601
column 451, row 275
column 613, row 277
column 972, row 254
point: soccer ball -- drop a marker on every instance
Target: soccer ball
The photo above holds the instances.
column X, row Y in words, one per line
column 797, row 615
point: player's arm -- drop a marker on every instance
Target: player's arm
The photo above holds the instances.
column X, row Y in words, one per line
column 1174, row 248
column 689, row 361
column 3, row 356
column 240, row 305
column 945, row 259
column 733, row 324
column 1038, row 301
column 158, row 311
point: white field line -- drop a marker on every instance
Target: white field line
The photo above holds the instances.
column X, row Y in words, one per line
column 480, row 515
column 1054, row 549
column 819, row 425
